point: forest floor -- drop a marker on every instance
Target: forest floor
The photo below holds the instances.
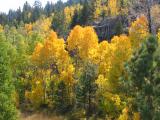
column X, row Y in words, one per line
column 39, row 116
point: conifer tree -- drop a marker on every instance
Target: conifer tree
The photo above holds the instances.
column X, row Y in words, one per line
column 75, row 19
column 139, row 85
column 86, row 89
column 61, row 98
column 156, row 82
column 86, row 13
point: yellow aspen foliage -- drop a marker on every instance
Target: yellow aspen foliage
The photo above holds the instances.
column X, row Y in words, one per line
column 105, row 53
column 84, row 41
column 138, row 31
column 54, row 51
column 102, row 83
column 116, row 100
column 158, row 35
column 28, row 28
column 74, row 38
column 113, row 7
column 1, row 28
column 39, row 83
column 112, row 57
column 36, row 53
column 67, row 75
column 104, row 9
column 45, row 24
column 69, row 12
column 122, row 45
column 53, row 54
column 98, row 8
column 136, row 116
column 42, row 26
column 121, row 53
column 89, row 44
column 104, row 62
column 124, row 115
column 35, row 96
column 52, row 57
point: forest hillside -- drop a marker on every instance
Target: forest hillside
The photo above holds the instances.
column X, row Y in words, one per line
column 81, row 60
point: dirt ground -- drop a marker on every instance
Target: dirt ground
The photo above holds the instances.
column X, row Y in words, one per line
column 39, row 116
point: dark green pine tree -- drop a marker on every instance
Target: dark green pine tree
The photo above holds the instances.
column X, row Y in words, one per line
column 49, row 9
column 7, row 106
column 37, row 10
column 62, row 101
column 58, row 23
column 86, row 89
column 71, row 2
column 75, row 19
column 27, row 9
column 156, row 83
column 86, row 13
column 59, row 6
column 139, row 84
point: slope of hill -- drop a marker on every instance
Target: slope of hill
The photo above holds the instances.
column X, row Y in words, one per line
column 81, row 60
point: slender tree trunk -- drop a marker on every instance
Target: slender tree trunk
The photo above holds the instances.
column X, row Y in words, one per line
column 52, row 87
column 149, row 3
column 150, row 104
column 44, row 87
column 89, row 99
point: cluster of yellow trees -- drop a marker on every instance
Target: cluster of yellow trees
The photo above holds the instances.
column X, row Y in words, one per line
column 77, row 74
column 69, row 12
column 100, row 7
column 110, row 7
column 56, row 60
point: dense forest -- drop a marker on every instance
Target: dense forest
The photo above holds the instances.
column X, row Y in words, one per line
column 53, row 60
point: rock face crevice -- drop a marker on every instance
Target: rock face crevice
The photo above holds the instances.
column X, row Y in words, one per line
column 106, row 28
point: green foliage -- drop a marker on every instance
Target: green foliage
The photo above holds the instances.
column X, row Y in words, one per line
column 37, row 10
column 26, row 14
column 58, row 23
column 20, row 68
column 49, row 9
column 78, row 77
column 33, row 39
column 86, row 13
column 75, row 20
column 156, row 83
column 86, row 89
column 61, row 98
column 139, row 84
column 7, row 106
